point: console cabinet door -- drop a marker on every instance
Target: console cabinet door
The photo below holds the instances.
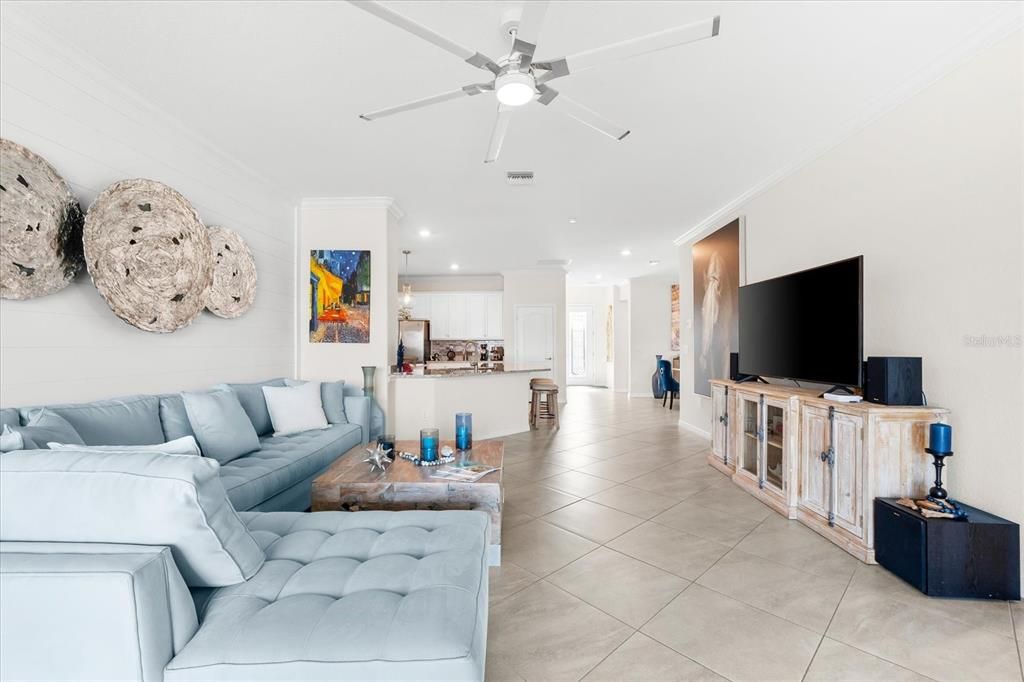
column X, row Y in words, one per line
column 818, row 493
column 814, row 473
column 849, row 443
column 719, row 419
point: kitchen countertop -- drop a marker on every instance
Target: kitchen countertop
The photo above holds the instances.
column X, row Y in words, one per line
column 444, row 373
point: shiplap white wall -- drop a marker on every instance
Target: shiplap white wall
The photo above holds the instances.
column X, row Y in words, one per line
column 94, row 131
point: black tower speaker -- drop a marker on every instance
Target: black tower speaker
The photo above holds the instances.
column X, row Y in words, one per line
column 734, row 368
column 893, row 381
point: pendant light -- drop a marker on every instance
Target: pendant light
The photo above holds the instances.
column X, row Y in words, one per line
column 406, row 288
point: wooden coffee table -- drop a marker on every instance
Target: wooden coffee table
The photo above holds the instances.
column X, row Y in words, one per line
column 349, row 485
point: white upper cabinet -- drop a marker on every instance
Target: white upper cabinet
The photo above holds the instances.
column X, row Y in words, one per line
column 457, row 316
column 460, row 315
column 476, row 316
column 420, row 308
column 494, row 316
column 439, row 315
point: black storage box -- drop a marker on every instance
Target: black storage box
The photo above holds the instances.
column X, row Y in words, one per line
column 977, row 557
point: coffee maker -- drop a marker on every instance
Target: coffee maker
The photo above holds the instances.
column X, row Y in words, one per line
column 483, row 352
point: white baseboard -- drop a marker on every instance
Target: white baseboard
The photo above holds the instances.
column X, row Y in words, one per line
column 648, row 394
column 694, row 429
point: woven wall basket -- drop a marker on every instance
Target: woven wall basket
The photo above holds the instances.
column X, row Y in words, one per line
column 234, row 274
column 148, row 254
column 40, row 226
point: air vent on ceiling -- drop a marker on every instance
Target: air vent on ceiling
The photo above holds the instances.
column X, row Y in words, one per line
column 554, row 263
column 519, row 178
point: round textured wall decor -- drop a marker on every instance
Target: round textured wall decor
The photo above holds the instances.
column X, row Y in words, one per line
column 234, row 274
column 148, row 254
column 40, row 226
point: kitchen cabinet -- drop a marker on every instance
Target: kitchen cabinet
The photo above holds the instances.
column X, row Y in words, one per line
column 476, row 316
column 495, row 313
column 420, row 308
column 460, row 315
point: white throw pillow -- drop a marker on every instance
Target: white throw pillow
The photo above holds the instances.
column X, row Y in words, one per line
column 294, row 409
column 186, row 445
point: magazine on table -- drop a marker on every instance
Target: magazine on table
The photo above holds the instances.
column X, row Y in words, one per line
column 470, row 472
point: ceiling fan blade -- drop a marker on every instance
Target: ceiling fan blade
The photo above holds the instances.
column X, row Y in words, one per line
column 530, row 24
column 498, row 134
column 552, row 98
column 465, row 91
column 625, row 49
column 392, row 17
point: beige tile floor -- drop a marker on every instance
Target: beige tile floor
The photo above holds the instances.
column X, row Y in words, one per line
column 626, row 557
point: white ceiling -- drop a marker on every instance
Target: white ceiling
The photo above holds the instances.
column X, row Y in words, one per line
column 279, row 86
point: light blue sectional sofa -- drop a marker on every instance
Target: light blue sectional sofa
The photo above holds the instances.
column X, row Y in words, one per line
column 142, row 565
column 277, row 477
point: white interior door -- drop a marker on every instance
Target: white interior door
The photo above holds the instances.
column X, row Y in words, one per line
column 535, row 335
column 579, row 345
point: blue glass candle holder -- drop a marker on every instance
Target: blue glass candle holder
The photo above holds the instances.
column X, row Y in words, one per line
column 387, row 441
column 429, row 439
column 464, row 431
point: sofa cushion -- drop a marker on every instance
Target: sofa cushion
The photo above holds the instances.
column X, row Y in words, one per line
column 186, row 445
column 43, row 426
column 11, row 440
column 254, row 404
column 144, row 498
column 174, row 417
column 283, row 461
column 134, row 420
column 221, row 426
column 368, row 595
column 9, row 417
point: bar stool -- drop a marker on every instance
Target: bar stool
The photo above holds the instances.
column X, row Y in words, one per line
column 543, row 401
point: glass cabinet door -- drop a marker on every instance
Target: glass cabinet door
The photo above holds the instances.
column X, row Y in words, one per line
column 749, row 441
column 775, row 426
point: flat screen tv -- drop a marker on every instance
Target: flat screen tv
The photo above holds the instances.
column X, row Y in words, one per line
column 806, row 326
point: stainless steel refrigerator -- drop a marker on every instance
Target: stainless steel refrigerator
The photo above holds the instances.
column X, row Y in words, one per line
column 415, row 336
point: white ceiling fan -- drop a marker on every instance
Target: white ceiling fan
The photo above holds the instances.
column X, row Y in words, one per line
column 518, row 79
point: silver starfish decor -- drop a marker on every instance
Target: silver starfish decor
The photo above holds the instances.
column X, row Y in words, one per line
column 378, row 458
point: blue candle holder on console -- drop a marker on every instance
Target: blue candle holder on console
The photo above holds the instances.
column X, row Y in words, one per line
column 464, row 431
column 429, row 439
column 940, row 446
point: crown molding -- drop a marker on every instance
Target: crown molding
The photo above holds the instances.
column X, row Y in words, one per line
column 985, row 36
column 388, row 203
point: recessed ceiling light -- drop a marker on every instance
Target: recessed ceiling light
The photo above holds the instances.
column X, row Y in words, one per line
column 597, row 276
column 653, row 262
column 454, row 266
column 626, row 252
column 424, row 232
column 572, row 221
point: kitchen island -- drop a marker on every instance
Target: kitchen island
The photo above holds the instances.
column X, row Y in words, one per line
column 498, row 397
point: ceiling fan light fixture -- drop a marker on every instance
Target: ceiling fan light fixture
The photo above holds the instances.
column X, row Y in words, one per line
column 514, row 89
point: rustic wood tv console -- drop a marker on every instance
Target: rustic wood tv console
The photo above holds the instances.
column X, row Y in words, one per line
column 820, row 462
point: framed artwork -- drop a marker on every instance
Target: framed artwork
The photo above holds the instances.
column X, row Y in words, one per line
column 339, row 296
column 675, row 318
column 716, row 282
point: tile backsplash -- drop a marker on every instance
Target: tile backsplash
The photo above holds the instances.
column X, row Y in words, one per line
column 459, row 346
